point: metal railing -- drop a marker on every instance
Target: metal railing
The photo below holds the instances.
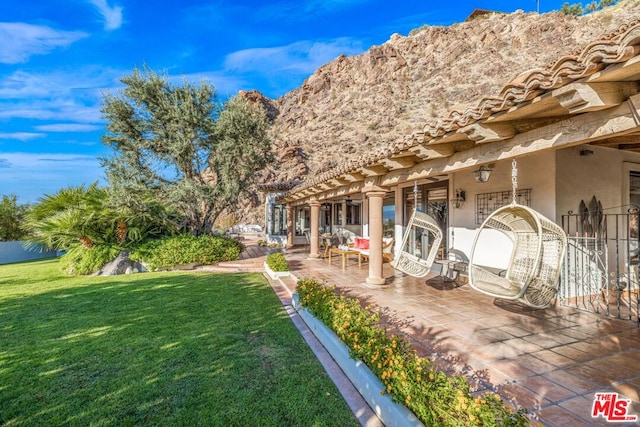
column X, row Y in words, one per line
column 600, row 271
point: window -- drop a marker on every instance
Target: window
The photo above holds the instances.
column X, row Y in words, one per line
column 389, row 215
column 353, row 214
column 278, row 220
column 337, row 217
column 303, row 220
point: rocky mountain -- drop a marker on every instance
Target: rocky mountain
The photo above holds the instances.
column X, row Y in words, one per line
column 356, row 104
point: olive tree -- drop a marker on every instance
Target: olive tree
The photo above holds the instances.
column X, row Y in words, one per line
column 182, row 146
column 11, row 218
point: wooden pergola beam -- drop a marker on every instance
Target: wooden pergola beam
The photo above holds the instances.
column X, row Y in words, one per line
column 580, row 129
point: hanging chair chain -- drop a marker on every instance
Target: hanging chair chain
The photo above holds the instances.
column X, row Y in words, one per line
column 514, row 180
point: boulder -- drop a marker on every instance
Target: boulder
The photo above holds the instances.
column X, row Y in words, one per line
column 121, row 265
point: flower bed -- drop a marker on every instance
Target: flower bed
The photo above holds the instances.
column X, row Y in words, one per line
column 435, row 398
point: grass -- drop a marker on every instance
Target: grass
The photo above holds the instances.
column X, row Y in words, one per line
column 154, row 349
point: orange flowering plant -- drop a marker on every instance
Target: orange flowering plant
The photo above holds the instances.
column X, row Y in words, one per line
column 435, row 398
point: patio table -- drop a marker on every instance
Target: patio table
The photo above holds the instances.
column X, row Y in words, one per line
column 345, row 254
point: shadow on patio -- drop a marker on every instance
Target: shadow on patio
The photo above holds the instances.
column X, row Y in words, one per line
column 551, row 361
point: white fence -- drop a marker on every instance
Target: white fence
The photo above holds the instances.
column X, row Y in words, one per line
column 15, row 252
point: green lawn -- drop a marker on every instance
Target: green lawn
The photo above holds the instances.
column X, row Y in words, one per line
column 154, row 349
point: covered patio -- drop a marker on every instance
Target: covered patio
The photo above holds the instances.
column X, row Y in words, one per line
column 551, row 361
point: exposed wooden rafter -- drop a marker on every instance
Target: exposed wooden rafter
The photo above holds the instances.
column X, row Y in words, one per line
column 432, row 152
column 400, row 162
column 374, row 170
column 482, row 132
column 583, row 97
column 353, row 177
column 580, row 129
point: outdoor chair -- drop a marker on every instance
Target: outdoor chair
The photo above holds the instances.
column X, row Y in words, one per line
column 411, row 263
column 533, row 271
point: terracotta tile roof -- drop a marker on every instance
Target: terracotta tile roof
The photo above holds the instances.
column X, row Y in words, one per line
column 278, row 186
column 614, row 48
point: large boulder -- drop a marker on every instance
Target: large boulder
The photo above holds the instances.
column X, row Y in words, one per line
column 122, row 264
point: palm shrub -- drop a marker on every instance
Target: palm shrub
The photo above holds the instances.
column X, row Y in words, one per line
column 277, row 262
column 435, row 398
column 88, row 216
column 71, row 217
column 186, row 249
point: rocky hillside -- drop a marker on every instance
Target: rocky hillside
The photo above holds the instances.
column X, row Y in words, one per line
column 355, row 104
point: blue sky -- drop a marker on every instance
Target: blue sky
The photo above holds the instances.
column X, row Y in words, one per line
column 57, row 58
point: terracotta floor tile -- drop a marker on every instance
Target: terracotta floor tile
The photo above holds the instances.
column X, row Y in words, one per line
column 512, row 369
column 543, row 340
column 526, row 398
column 553, row 358
column 600, row 374
column 495, row 351
column 577, row 384
column 575, row 333
column 573, row 353
column 495, row 335
column 536, row 365
column 550, row 390
column 629, row 359
column 558, row 416
column 516, row 331
column 522, row 345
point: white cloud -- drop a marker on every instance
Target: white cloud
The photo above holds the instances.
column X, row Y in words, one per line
column 68, row 127
column 20, row 41
column 22, row 84
column 21, row 136
column 53, row 110
column 112, row 15
column 63, row 95
column 302, row 56
column 31, row 175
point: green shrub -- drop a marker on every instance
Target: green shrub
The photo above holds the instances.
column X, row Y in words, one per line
column 81, row 260
column 277, row 262
column 435, row 398
column 186, row 249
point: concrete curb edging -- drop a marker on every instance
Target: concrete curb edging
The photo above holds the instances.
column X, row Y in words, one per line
column 367, row 384
column 274, row 274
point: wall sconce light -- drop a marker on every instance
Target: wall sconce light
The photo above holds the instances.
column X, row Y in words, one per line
column 326, row 206
column 482, row 174
column 459, row 199
column 586, row 152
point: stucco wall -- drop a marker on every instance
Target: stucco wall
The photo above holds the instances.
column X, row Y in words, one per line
column 603, row 174
column 536, row 172
column 15, row 252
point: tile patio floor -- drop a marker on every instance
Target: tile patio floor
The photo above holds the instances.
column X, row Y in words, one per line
column 551, row 361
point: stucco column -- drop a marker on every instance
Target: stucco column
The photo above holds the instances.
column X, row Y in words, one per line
column 290, row 228
column 315, row 225
column 376, row 199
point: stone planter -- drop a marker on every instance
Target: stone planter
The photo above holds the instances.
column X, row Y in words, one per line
column 275, row 274
column 365, row 381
